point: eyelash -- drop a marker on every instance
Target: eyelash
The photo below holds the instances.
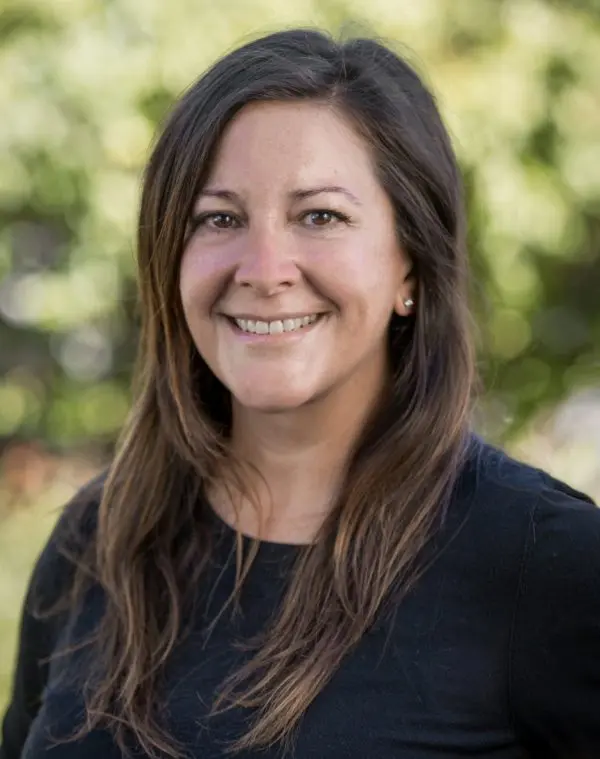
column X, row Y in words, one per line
column 201, row 219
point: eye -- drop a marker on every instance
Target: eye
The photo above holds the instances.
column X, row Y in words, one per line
column 324, row 218
column 220, row 220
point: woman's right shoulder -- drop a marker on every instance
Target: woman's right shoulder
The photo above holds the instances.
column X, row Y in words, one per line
column 66, row 546
column 80, row 513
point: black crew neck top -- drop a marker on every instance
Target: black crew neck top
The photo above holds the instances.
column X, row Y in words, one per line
column 495, row 652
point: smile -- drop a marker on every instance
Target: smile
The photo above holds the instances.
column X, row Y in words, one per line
column 275, row 327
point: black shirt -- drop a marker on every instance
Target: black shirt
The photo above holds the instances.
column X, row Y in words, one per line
column 495, row 653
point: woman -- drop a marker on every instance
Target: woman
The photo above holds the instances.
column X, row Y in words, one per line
column 299, row 544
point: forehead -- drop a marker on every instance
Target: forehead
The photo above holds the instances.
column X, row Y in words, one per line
column 291, row 143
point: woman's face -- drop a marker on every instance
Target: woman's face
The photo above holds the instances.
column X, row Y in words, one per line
column 292, row 269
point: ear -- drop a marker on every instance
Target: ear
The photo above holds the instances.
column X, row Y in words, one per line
column 405, row 303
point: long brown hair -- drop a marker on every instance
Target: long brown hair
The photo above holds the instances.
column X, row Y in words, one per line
column 151, row 547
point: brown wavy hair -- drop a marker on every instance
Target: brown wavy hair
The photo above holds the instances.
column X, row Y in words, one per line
column 152, row 545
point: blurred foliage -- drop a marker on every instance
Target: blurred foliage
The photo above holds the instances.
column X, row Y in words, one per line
column 85, row 82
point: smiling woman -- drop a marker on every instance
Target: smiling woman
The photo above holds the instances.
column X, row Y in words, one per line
column 300, row 544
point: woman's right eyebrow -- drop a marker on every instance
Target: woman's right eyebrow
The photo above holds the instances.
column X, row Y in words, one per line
column 216, row 192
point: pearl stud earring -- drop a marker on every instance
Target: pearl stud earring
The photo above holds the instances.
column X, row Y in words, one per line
column 409, row 302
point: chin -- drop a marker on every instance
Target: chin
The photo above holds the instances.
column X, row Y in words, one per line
column 275, row 402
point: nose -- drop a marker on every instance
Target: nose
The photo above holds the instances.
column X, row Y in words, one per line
column 267, row 262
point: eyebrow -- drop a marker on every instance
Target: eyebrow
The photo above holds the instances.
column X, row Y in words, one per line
column 300, row 194
column 310, row 191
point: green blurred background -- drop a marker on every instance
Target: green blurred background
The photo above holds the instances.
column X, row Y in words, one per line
column 83, row 85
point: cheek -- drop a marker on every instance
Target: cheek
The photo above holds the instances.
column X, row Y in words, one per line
column 363, row 274
column 202, row 276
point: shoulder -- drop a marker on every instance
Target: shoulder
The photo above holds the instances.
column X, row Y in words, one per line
column 515, row 518
column 509, row 489
column 68, row 542
column 548, row 533
column 555, row 527
column 46, row 611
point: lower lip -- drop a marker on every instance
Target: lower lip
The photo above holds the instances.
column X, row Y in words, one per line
column 278, row 337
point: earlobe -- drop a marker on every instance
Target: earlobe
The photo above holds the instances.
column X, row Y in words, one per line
column 405, row 298
column 405, row 305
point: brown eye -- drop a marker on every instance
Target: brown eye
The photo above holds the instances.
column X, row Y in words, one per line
column 221, row 220
column 323, row 218
column 320, row 218
column 217, row 221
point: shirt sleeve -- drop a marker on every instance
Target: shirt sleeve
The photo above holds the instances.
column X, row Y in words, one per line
column 35, row 644
column 555, row 656
column 39, row 631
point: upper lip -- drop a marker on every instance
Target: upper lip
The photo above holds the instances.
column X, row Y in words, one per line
column 276, row 317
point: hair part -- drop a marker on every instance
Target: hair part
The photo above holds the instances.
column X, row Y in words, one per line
column 152, row 546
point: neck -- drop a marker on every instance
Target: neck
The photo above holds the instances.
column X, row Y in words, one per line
column 301, row 457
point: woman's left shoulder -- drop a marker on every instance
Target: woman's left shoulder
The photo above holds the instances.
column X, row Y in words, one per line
column 562, row 561
column 524, row 520
column 555, row 638
column 566, row 519
column 504, row 486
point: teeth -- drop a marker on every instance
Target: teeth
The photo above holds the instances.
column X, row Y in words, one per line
column 275, row 327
